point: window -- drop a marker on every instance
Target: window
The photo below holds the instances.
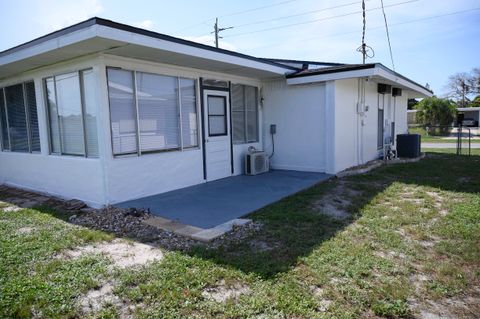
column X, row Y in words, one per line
column 217, row 115
column 18, row 118
column 72, row 114
column 151, row 112
column 244, row 113
column 380, row 122
column 157, row 112
column 123, row 114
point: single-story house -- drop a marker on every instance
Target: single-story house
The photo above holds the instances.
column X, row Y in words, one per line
column 106, row 112
column 470, row 113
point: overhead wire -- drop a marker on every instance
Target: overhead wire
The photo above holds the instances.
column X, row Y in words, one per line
column 388, row 35
column 316, row 20
column 373, row 28
column 237, row 13
column 298, row 14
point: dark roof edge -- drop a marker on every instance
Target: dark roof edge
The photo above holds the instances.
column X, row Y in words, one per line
column 403, row 77
column 354, row 68
column 128, row 28
column 303, row 61
column 332, row 70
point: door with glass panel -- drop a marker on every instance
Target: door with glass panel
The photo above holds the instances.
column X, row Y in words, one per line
column 217, row 134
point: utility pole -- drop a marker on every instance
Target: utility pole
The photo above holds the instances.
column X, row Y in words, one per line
column 217, row 30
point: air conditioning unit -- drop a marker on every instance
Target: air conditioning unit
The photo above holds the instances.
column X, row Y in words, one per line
column 256, row 163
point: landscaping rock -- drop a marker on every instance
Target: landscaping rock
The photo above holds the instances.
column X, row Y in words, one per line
column 123, row 222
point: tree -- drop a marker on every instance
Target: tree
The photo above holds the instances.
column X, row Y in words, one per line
column 476, row 102
column 411, row 104
column 434, row 111
column 462, row 86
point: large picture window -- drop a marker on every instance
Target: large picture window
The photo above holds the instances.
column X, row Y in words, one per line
column 151, row 112
column 18, row 118
column 72, row 114
column 244, row 113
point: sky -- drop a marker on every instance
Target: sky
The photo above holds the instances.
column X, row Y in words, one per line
column 430, row 39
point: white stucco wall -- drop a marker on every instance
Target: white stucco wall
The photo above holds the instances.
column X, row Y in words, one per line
column 299, row 113
column 355, row 136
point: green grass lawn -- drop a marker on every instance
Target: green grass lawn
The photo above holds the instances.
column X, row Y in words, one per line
column 410, row 243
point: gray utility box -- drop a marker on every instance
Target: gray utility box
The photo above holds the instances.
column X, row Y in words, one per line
column 408, row 145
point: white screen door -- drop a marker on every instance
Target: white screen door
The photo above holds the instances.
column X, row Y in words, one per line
column 217, row 134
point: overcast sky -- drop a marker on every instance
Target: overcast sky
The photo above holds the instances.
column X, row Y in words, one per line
column 431, row 39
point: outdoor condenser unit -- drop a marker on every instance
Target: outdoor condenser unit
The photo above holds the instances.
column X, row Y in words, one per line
column 256, row 163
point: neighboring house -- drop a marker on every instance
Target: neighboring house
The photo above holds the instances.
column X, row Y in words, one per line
column 470, row 114
column 106, row 112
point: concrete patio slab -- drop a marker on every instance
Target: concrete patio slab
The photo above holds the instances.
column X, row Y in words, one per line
column 214, row 203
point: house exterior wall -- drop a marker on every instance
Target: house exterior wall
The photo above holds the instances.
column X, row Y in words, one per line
column 64, row 176
column 356, row 136
column 108, row 179
column 299, row 113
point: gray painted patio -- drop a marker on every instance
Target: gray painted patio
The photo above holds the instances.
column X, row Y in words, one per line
column 211, row 204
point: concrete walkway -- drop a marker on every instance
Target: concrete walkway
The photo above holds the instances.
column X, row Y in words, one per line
column 449, row 145
column 211, row 204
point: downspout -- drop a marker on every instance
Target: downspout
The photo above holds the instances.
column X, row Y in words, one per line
column 361, row 109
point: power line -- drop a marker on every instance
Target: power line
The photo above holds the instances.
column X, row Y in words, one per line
column 316, row 20
column 237, row 13
column 298, row 14
column 258, row 8
column 388, row 35
column 376, row 27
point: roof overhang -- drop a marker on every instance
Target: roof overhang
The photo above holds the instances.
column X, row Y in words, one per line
column 376, row 72
column 468, row 109
column 103, row 36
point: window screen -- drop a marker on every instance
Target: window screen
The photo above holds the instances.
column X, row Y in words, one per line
column 90, row 112
column 72, row 114
column 158, row 111
column 238, row 114
column 32, row 116
column 3, row 122
column 53, row 116
column 122, row 111
column 166, row 108
column 69, row 106
column 17, row 121
column 189, row 113
column 380, row 129
column 244, row 113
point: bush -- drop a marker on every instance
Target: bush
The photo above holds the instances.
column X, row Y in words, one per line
column 434, row 112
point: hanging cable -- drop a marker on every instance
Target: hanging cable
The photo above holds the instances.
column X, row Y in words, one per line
column 388, row 35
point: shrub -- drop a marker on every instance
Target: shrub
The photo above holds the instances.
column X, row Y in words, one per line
column 434, row 112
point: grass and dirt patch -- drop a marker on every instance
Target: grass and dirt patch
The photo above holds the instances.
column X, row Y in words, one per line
column 402, row 241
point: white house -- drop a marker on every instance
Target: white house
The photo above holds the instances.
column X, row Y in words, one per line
column 106, row 112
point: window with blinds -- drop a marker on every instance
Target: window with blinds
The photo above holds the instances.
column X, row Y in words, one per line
column 18, row 118
column 151, row 112
column 244, row 113
column 72, row 114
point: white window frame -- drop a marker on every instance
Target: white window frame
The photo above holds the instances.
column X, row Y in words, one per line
column 27, row 119
column 245, row 139
column 179, row 111
column 82, row 104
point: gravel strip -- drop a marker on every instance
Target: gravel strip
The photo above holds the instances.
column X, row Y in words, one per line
column 120, row 221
